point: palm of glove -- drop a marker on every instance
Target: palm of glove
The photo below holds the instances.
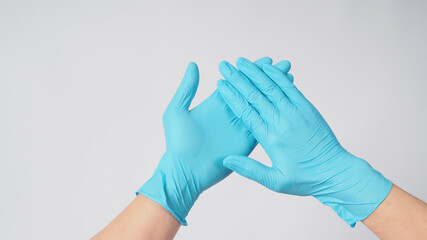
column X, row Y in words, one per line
column 201, row 138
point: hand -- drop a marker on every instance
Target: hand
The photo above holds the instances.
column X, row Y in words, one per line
column 196, row 141
column 306, row 157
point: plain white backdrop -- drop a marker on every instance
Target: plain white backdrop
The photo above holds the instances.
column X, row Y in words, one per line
column 83, row 85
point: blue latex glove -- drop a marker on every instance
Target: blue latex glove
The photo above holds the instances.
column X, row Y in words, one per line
column 196, row 143
column 306, row 157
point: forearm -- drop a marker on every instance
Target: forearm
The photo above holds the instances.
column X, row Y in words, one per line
column 399, row 216
column 142, row 219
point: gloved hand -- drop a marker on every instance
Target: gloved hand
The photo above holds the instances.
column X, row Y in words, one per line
column 196, row 143
column 306, row 157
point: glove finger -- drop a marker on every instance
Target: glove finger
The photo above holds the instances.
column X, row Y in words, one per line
column 187, row 89
column 284, row 66
column 263, row 60
column 240, row 107
column 252, row 169
column 291, row 77
column 246, row 89
column 281, row 79
column 267, row 86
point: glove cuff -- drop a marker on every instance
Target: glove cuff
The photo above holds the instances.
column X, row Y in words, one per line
column 360, row 194
column 171, row 188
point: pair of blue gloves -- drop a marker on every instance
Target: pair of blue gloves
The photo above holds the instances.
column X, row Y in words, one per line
column 258, row 103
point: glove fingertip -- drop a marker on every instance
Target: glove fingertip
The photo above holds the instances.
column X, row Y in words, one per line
column 220, row 83
column 232, row 162
column 228, row 161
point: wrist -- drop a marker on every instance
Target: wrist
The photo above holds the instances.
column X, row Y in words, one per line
column 172, row 186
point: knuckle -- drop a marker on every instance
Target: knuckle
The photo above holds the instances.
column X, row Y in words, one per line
column 271, row 90
column 289, row 86
column 246, row 112
column 282, row 102
column 256, row 124
column 254, row 96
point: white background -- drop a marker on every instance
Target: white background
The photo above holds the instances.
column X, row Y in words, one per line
column 83, row 85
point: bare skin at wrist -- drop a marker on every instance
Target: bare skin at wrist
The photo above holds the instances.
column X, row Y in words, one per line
column 399, row 216
column 142, row 219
